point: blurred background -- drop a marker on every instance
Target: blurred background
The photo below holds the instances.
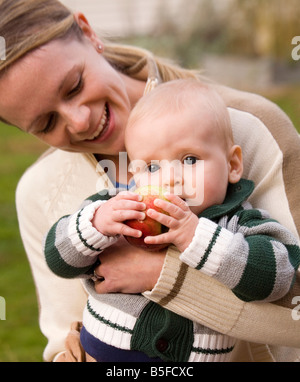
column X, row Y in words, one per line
column 243, row 44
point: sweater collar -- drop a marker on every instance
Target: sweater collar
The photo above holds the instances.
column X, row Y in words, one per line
column 236, row 194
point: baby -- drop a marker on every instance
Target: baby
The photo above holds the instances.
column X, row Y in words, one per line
column 179, row 138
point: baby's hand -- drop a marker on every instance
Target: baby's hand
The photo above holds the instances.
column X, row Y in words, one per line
column 109, row 217
column 181, row 221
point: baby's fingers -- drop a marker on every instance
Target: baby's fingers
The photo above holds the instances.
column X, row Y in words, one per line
column 167, row 220
column 123, row 229
column 175, row 199
column 122, row 215
column 176, row 210
column 164, row 238
column 126, row 204
column 129, row 196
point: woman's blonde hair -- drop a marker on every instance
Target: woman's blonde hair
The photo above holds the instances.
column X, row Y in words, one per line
column 26, row 25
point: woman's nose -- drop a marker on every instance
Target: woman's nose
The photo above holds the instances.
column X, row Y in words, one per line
column 77, row 119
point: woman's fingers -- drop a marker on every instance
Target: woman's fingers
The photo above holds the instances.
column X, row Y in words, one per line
column 126, row 270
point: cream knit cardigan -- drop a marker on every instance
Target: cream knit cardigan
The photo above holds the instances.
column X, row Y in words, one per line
column 59, row 181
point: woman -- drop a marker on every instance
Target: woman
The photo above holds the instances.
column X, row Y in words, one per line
column 62, row 84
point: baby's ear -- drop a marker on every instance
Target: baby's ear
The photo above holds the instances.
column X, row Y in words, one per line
column 235, row 164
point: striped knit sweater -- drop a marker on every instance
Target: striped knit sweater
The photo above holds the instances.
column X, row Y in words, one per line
column 240, row 246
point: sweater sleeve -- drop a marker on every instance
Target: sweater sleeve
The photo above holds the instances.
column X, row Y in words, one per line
column 72, row 244
column 253, row 255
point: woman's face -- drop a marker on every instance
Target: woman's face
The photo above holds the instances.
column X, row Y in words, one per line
column 70, row 97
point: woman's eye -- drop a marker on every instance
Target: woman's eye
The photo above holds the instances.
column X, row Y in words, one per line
column 77, row 88
column 190, row 160
column 50, row 124
column 153, row 167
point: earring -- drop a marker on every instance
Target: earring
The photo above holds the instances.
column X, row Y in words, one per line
column 100, row 48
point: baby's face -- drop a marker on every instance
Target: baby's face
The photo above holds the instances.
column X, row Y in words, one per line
column 182, row 153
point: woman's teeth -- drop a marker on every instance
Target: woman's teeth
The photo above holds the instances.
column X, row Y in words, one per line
column 103, row 123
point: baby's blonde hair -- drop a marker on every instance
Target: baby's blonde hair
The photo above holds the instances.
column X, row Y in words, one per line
column 180, row 95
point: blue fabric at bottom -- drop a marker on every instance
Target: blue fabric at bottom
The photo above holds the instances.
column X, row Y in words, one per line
column 102, row 352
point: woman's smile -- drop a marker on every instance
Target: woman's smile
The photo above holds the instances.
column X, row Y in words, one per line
column 103, row 127
column 91, row 118
column 103, row 124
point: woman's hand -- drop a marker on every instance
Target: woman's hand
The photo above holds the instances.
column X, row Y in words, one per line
column 128, row 269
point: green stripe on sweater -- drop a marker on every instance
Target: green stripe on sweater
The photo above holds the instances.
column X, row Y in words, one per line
column 294, row 256
column 267, row 270
column 212, row 351
column 209, row 247
column 109, row 323
column 54, row 260
column 84, row 242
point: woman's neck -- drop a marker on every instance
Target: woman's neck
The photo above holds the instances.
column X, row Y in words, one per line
column 135, row 88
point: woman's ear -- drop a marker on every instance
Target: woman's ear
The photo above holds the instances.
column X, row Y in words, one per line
column 87, row 30
column 235, row 163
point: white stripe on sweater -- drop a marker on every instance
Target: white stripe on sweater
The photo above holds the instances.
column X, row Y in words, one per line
column 109, row 324
column 211, row 343
column 203, row 236
column 284, row 272
column 92, row 237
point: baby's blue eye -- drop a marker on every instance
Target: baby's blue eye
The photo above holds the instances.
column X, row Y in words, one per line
column 153, row 167
column 190, row 160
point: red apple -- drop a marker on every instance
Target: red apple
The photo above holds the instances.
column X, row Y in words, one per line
column 148, row 226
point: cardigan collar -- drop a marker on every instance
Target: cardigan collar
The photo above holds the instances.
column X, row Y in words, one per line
column 236, row 194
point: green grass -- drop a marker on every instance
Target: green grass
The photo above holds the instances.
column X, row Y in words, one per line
column 20, row 337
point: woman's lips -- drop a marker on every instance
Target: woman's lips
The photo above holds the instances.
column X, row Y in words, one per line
column 106, row 127
column 103, row 125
